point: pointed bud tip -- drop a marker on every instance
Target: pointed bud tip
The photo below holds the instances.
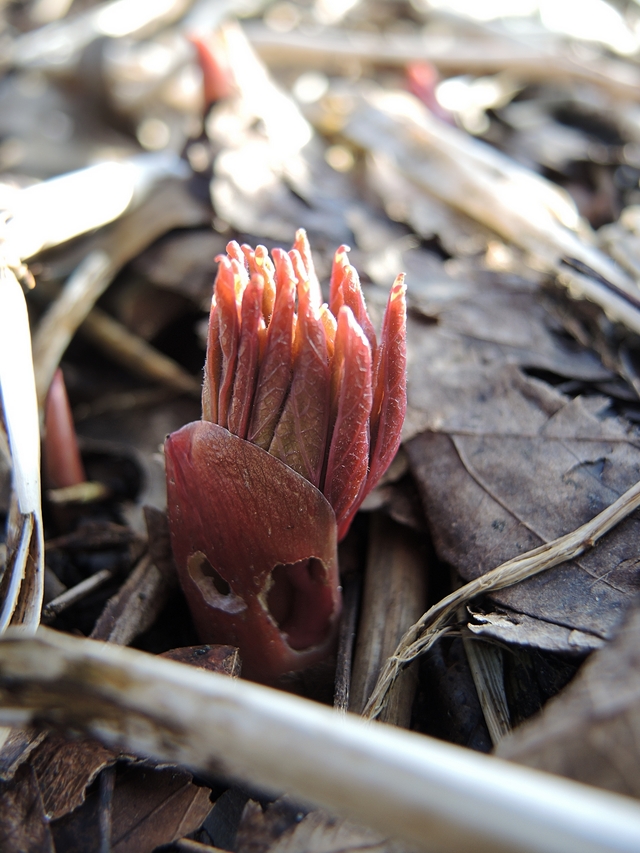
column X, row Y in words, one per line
column 399, row 287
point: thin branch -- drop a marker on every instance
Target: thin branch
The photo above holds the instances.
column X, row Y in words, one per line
column 136, row 354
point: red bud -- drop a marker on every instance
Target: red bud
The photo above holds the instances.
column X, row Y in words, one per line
column 253, row 537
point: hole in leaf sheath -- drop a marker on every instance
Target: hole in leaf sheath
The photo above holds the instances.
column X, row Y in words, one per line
column 218, row 581
column 214, row 588
column 300, row 601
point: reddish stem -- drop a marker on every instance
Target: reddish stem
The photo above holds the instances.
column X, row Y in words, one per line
column 62, row 456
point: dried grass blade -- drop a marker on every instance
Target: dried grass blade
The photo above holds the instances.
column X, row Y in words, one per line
column 168, row 207
column 23, row 586
column 487, row 671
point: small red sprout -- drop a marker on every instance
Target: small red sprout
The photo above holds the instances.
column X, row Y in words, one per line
column 302, row 414
column 63, row 463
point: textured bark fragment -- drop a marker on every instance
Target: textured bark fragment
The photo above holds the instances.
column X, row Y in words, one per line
column 274, row 376
column 255, row 546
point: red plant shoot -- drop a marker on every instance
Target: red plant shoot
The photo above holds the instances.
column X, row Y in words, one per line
column 302, row 414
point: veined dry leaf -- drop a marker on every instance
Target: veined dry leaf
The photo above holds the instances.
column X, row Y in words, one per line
column 530, row 467
column 590, row 732
column 507, row 461
column 149, row 808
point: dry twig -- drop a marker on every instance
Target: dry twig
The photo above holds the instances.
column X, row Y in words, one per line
column 488, row 54
column 441, row 797
column 168, row 207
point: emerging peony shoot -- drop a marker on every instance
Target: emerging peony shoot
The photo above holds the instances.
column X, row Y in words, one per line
column 302, row 414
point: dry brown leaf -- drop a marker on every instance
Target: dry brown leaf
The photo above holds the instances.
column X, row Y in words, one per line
column 590, row 732
column 65, row 767
column 260, row 829
column 23, row 825
column 508, row 462
column 222, row 659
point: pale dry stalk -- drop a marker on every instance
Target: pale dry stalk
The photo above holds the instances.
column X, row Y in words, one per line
column 438, row 797
column 394, row 596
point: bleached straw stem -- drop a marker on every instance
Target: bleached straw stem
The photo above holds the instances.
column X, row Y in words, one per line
column 440, row 797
